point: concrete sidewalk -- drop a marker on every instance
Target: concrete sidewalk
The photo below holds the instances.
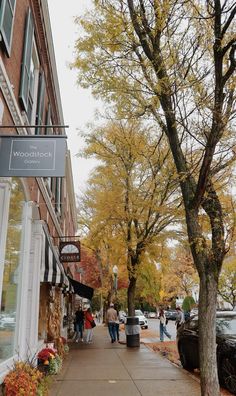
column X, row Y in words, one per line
column 105, row 369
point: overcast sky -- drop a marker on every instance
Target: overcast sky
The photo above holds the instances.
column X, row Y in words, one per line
column 78, row 104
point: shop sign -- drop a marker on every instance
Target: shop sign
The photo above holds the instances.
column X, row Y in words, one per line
column 69, row 251
column 32, row 156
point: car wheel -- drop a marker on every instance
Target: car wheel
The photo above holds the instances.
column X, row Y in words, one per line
column 184, row 359
column 227, row 374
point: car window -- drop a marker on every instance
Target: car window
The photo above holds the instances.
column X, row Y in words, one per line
column 138, row 312
column 226, row 325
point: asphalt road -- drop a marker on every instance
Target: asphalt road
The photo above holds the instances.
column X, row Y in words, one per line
column 153, row 324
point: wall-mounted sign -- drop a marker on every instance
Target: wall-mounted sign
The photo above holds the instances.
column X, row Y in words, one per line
column 69, row 251
column 32, row 156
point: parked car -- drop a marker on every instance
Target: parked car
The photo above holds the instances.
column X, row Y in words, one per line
column 122, row 316
column 194, row 311
column 171, row 314
column 7, row 322
column 152, row 315
column 142, row 320
column 187, row 342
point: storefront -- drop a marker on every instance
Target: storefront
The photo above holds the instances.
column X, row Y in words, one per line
column 54, row 292
column 34, row 289
column 13, row 213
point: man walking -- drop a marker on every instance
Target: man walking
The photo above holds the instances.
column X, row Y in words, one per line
column 111, row 321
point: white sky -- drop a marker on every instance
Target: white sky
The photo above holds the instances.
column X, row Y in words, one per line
column 78, row 104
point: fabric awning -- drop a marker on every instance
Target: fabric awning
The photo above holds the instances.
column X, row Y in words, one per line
column 81, row 289
column 52, row 269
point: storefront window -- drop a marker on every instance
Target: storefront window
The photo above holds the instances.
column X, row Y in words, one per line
column 11, row 273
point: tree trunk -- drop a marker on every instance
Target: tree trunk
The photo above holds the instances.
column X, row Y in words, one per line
column 131, row 296
column 207, row 335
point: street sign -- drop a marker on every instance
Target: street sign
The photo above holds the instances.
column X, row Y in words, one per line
column 69, row 251
column 32, row 156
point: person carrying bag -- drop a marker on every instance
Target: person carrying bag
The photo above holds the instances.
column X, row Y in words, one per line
column 88, row 325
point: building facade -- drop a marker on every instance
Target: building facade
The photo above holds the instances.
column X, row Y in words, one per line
column 34, row 211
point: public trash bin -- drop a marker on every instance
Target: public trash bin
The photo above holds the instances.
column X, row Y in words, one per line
column 132, row 331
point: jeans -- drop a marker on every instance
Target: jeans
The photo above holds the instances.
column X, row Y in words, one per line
column 89, row 335
column 112, row 330
column 163, row 331
column 79, row 330
column 117, row 331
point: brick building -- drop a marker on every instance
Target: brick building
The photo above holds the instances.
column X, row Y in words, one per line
column 34, row 211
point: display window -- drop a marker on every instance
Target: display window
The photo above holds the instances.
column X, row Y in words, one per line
column 10, row 279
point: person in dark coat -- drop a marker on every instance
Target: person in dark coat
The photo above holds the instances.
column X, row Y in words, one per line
column 79, row 324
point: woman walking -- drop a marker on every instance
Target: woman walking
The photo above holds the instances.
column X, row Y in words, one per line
column 88, row 318
column 79, row 324
column 163, row 330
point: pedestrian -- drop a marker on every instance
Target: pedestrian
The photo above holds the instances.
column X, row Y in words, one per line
column 186, row 315
column 99, row 316
column 117, row 323
column 163, row 329
column 111, row 321
column 179, row 318
column 88, row 317
column 79, row 324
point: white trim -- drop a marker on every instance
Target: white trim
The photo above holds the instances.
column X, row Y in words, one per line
column 22, row 311
column 5, row 192
column 6, row 88
column 34, row 286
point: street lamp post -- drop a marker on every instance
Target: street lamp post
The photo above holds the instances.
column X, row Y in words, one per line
column 115, row 273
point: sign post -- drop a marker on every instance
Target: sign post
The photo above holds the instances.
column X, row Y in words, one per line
column 69, row 251
column 32, row 155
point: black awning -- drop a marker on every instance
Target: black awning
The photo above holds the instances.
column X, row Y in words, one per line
column 52, row 270
column 81, row 289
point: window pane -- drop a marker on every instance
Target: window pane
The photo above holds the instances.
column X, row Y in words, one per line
column 7, row 22
column 11, row 274
column 6, row 25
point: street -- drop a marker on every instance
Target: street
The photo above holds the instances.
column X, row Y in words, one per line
column 154, row 324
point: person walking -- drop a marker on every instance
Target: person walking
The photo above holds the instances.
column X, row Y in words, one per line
column 79, row 324
column 88, row 317
column 111, row 321
column 163, row 329
column 179, row 318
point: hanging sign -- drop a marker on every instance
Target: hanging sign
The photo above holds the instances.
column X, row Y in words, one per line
column 69, row 251
column 32, row 156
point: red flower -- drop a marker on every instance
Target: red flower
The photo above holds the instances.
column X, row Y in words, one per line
column 46, row 353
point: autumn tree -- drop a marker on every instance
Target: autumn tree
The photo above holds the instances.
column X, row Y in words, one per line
column 227, row 282
column 148, row 284
column 175, row 61
column 179, row 275
column 132, row 191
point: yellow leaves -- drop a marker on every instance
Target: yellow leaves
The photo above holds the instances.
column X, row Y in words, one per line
column 199, row 244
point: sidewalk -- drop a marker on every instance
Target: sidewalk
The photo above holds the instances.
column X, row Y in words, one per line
column 105, row 369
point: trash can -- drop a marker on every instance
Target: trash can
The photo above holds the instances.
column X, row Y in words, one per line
column 132, row 331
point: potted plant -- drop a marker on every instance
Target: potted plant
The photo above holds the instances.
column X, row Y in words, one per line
column 44, row 358
column 49, row 361
column 23, row 379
